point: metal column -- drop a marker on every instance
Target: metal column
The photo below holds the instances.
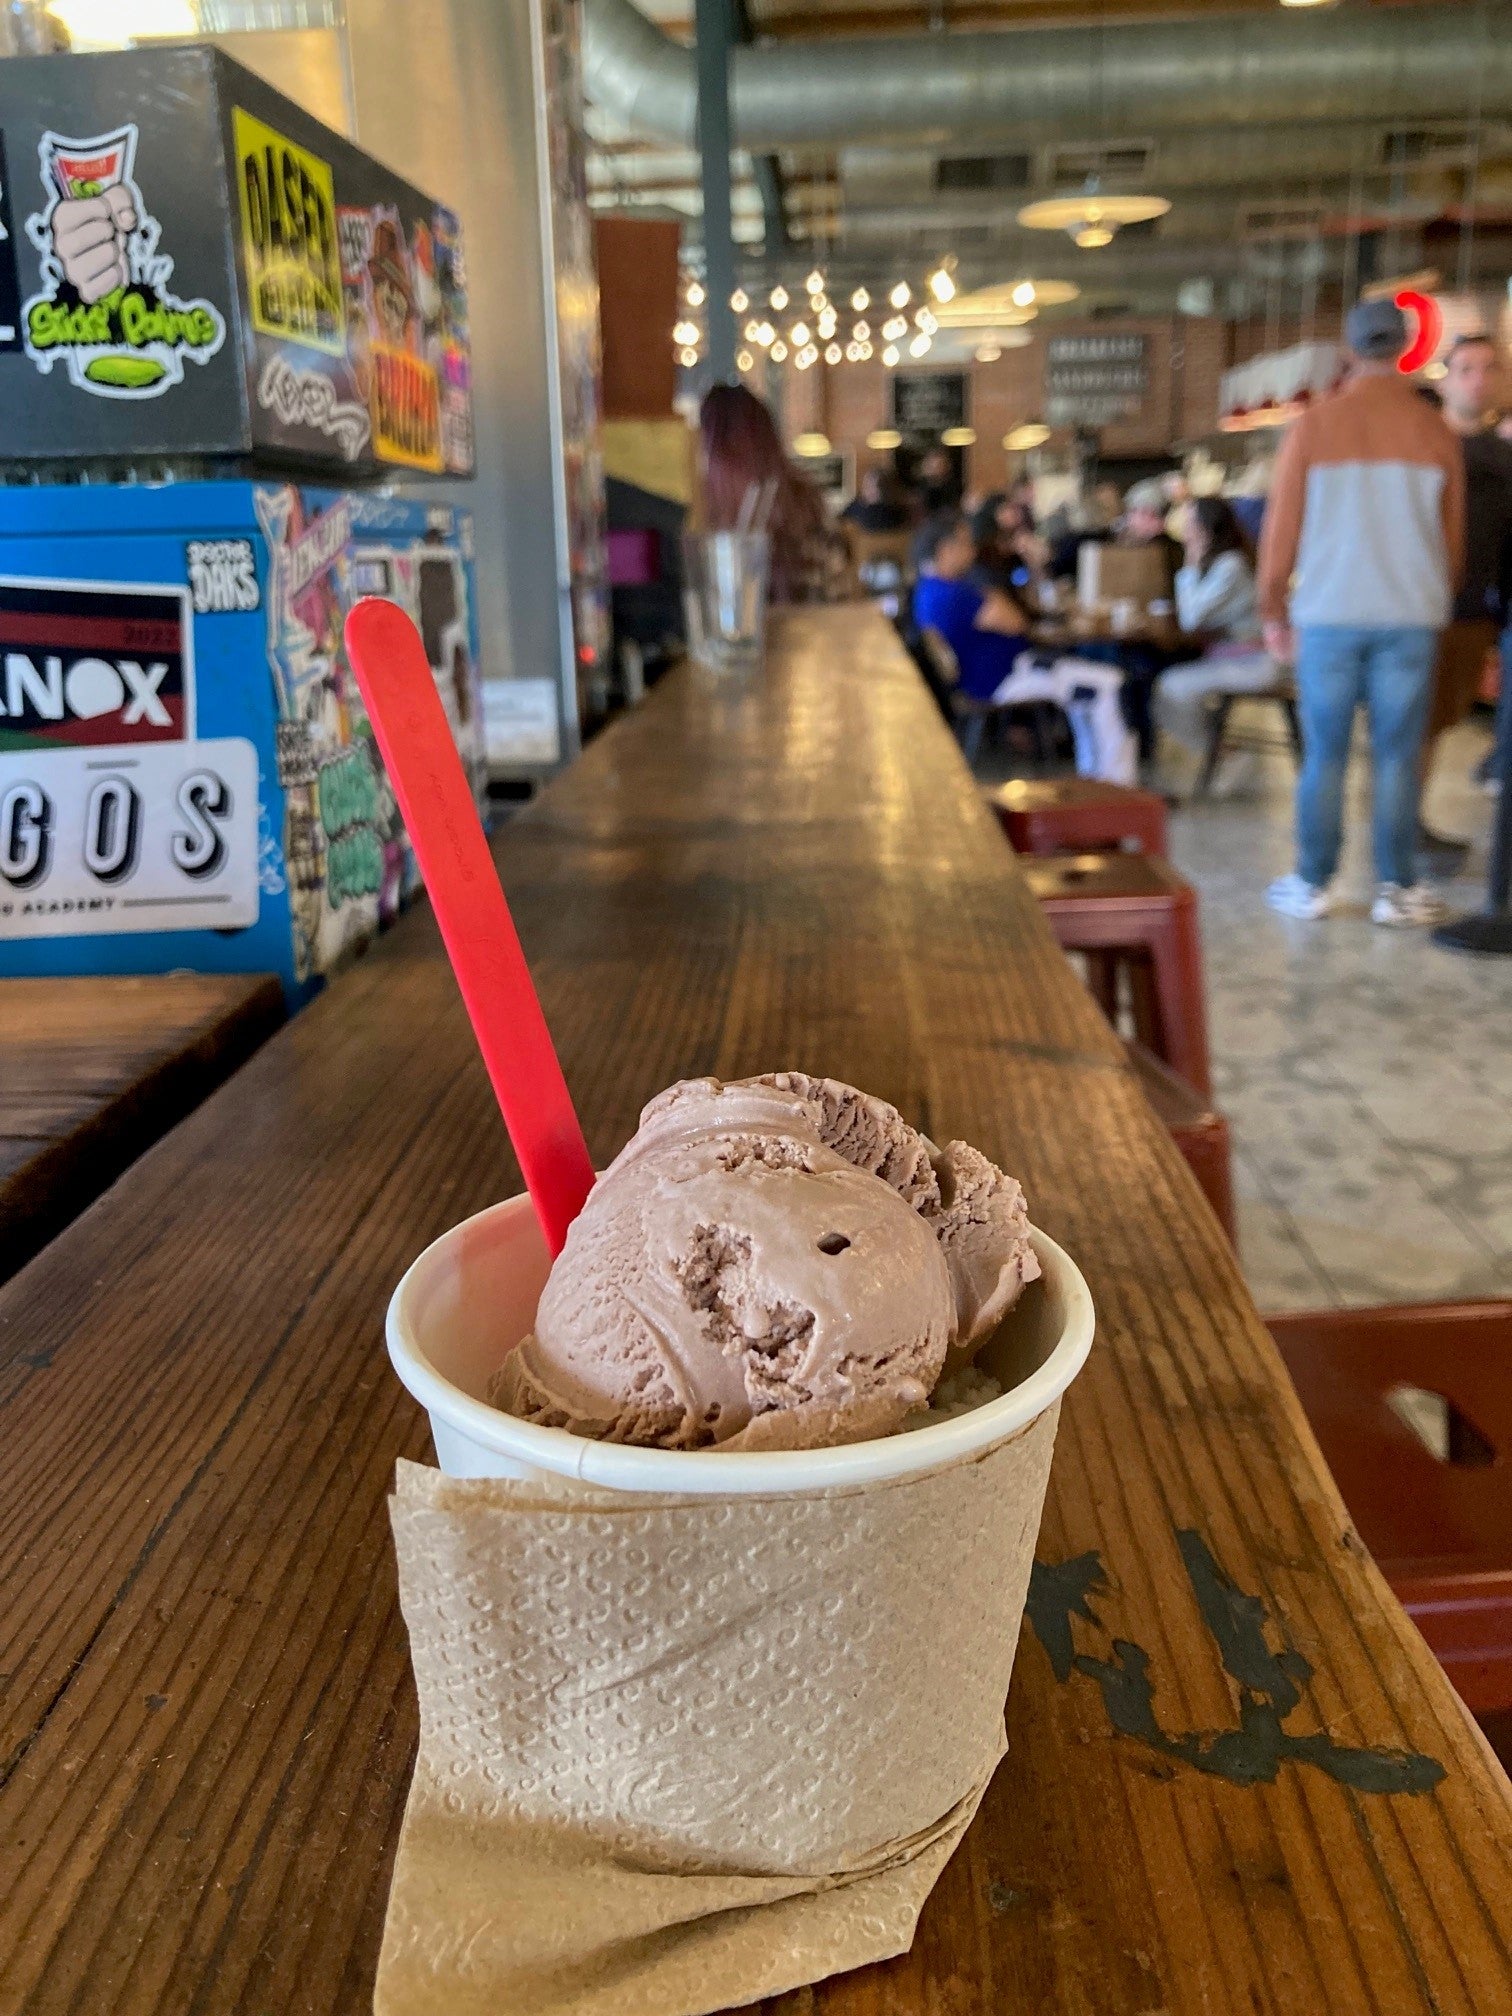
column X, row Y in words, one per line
column 714, row 27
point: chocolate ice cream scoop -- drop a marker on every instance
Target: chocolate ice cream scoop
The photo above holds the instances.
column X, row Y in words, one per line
column 773, row 1263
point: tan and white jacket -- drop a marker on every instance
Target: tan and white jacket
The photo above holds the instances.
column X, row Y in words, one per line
column 1367, row 510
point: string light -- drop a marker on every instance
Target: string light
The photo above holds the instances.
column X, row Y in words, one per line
column 815, row 282
column 861, row 331
column 799, row 334
column 860, row 300
column 744, row 361
column 901, row 295
column 752, row 332
column 926, row 322
column 865, row 349
column 833, row 353
column 1023, row 294
column 919, row 346
column 688, row 358
column 827, row 323
column 853, row 353
column 779, row 351
column 766, row 335
column 696, row 296
column 740, row 301
column 941, row 285
column 895, row 328
column 778, row 297
column 685, row 332
column 890, row 355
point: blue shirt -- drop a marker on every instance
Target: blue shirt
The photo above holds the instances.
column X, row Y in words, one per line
column 985, row 656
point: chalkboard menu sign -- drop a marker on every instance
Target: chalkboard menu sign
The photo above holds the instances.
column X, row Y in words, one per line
column 1090, row 380
column 925, row 403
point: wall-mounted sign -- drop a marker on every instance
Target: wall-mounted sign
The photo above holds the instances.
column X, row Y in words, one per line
column 106, row 308
column 925, row 403
column 1425, row 318
column 10, row 282
column 1091, row 380
column 287, row 197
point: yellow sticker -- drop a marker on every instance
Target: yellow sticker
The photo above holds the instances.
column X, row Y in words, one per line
column 288, row 219
column 406, row 408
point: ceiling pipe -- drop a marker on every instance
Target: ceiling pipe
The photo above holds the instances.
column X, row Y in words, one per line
column 1281, row 67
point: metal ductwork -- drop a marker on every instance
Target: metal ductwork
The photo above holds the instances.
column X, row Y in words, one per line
column 1409, row 63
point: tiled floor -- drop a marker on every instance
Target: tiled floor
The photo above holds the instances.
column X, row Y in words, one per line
column 1366, row 1074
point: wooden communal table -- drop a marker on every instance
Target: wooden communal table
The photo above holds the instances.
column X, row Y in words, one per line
column 93, row 1070
column 1237, row 1783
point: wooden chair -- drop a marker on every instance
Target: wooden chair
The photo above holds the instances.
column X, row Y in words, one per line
column 1079, row 815
column 1439, row 1524
column 1198, row 1129
column 1133, row 912
column 970, row 715
column 1282, row 694
column 878, row 549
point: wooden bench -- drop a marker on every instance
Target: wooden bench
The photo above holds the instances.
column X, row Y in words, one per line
column 94, row 1070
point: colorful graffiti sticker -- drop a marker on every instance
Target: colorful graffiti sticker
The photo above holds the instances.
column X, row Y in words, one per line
column 287, row 199
column 106, row 307
column 347, row 860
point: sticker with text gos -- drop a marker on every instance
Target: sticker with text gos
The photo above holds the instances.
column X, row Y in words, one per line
column 153, row 838
column 94, row 662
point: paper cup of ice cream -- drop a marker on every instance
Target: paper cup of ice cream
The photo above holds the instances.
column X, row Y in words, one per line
column 713, row 1603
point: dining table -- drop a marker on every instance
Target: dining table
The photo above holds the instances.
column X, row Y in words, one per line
column 1236, row 1783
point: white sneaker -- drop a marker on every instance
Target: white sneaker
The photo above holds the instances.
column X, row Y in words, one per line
column 1295, row 898
column 1402, row 908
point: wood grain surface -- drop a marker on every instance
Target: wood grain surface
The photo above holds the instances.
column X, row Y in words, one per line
column 93, row 1070
column 207, row 1721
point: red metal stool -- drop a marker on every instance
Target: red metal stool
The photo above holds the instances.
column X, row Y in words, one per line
column 1441, row 1529
column 1198, row 1129
column 1078, row 815
column 1137, row 909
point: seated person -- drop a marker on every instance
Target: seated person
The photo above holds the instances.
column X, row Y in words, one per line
column 1215, row 602
column 987, row 630
column 1010, row 553
column 1144, row 524
column 876, row 506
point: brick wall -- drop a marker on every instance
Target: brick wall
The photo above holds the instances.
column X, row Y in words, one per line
column 1187, row 356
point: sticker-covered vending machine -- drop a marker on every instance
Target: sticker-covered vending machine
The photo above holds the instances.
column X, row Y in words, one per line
column 187, row 774
column 222, row 328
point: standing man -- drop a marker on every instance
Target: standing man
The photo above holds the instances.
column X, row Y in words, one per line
column 1469, row 389
column 1368, row 508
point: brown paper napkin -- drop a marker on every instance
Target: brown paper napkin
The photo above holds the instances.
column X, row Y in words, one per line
column 680, row 1753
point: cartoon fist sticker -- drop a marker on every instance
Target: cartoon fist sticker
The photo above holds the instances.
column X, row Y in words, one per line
column 89, row 235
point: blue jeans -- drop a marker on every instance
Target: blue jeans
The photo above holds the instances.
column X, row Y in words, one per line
column 1338, row 666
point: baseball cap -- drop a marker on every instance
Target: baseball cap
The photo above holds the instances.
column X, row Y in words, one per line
column 1376, row 330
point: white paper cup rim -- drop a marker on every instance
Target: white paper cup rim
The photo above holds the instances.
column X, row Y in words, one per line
column 619, row 1466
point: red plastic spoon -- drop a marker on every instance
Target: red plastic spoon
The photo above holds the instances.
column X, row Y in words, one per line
column 396, row 680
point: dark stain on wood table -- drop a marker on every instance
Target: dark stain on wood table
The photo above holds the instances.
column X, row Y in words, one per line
column 93, row 1070
column 207, row 1721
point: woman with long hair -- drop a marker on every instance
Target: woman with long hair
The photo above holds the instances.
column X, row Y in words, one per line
column 1215, row 589
column 1215, row 602
column 742, row 461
